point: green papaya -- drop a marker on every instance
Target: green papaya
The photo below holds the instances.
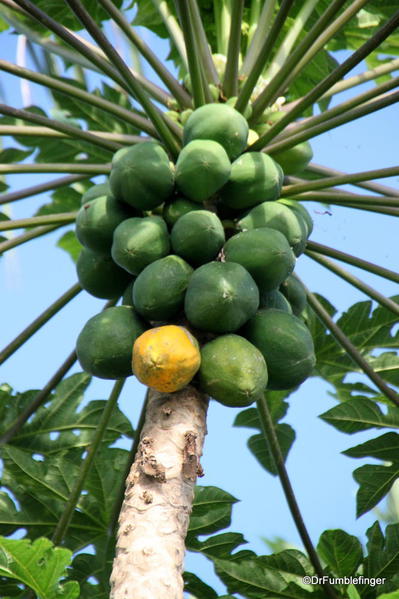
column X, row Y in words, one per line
column 104, row 346
column 247, row 111
column 99, row 275
column 298, row 208
column 295, row 293
column 202, row 168
column 221, row 123
column 127, row 297
column 173, row 211
column 198, row 237
column 158, row 291
column 220, row 297
column 96, row 221
column 286, row 344
column 279, row 217
column 185, row 114
column 265, row 253
column 140, row 241
column 141, row 175
column 294, row 160
column 274, row 299
column 254, row 178
column 232, row 371
column 95, row 191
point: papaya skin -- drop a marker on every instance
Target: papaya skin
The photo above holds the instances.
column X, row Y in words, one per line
column 166, row 358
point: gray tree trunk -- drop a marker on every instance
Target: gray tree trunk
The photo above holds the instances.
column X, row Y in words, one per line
column 158, row 498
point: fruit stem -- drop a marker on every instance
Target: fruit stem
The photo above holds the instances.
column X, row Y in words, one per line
column 261, row 29
column 74, row 496
column 230, row 81
column 68, row 130
column 354, row 260
column 350, row 278
column 294, row 138
column 201, row 94
column 329, row 172
column 173, row 28
column 272, row 441
column 31, row 329
column 350, row 349
column 126, row 116
column 381, row 173
column 263, row 56
column 59, row 218
column 13, row 196
column 292, row 60
column 41, row 398
column 20, row 239
column 56, row 167
column 339, row 197
column 315, row 93
column 170, row 82
column 132, row 83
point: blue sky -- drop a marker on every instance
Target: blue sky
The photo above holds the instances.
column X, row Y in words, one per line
column 34, row 275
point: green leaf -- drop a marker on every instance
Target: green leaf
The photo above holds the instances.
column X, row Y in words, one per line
column 374, row 483
column 211, row 510
column 221, row 545
column 194, row 585
column 70, row 244
column 393, row 595
column 39, row 565
column 385, row 447
column 260, row 448
column 352, row 592
column 383, row 552
column 360, row 414
column 12, row 155
column 341, row 552
column 64, row 199
column 60, row 12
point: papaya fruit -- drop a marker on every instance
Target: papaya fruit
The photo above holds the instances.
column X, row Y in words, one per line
column 173, row 211
column 166, row 358
column 247, row 111
column 202, row 168
column 276, row 215
column 95, row 191
column 264, row 253
column 233, row 371
column 100, row 276
column 275, row 299
column 140, row 241
column 104, row 346
column 295, row 293
column 221, row 123
column 220, row 297
column 141, row 175
column 96, row 221
column 298, row 208
column 254, row 179
column 127, row 297
column 198, row 237
column 294, row 160
column 158, row 291
column 286, row 345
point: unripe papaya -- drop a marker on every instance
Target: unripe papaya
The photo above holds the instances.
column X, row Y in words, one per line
column 180, row 206
column 220, row 297
column 301, row 210
column 140, row 241
column 254, row 178
column 158, row 292
column 100, row 276
column 233, row 371
column 286, row 345
column 295, row 293
column 166, row 358
column 198, row 237
column 96, row 221
column 95, row 191
column 104, row 346
column 141, row 175
column 202, row 168
column 221, row 123
column 265, row 253
column 275, row 299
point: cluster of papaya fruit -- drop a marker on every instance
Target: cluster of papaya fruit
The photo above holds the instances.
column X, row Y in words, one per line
column 202, row 252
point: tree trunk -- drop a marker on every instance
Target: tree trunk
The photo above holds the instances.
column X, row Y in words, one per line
column 159, row 492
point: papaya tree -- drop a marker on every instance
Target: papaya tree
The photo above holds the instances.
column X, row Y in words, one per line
column 184, row 185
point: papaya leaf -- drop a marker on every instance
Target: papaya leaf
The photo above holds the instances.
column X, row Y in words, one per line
column 96, row 566
column 221, row 545
column 382, row 560
column 194, row 585
column 384, row 448
column 64, row 199
column 257, row 445
column 360, row 414
column 375, row 481
column 341, row 552
column 60, row 12
column 211, row 510
column 70, row 244
column 39, row 565
column 13, row 155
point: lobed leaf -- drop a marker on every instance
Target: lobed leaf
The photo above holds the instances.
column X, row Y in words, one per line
column 341, row 552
